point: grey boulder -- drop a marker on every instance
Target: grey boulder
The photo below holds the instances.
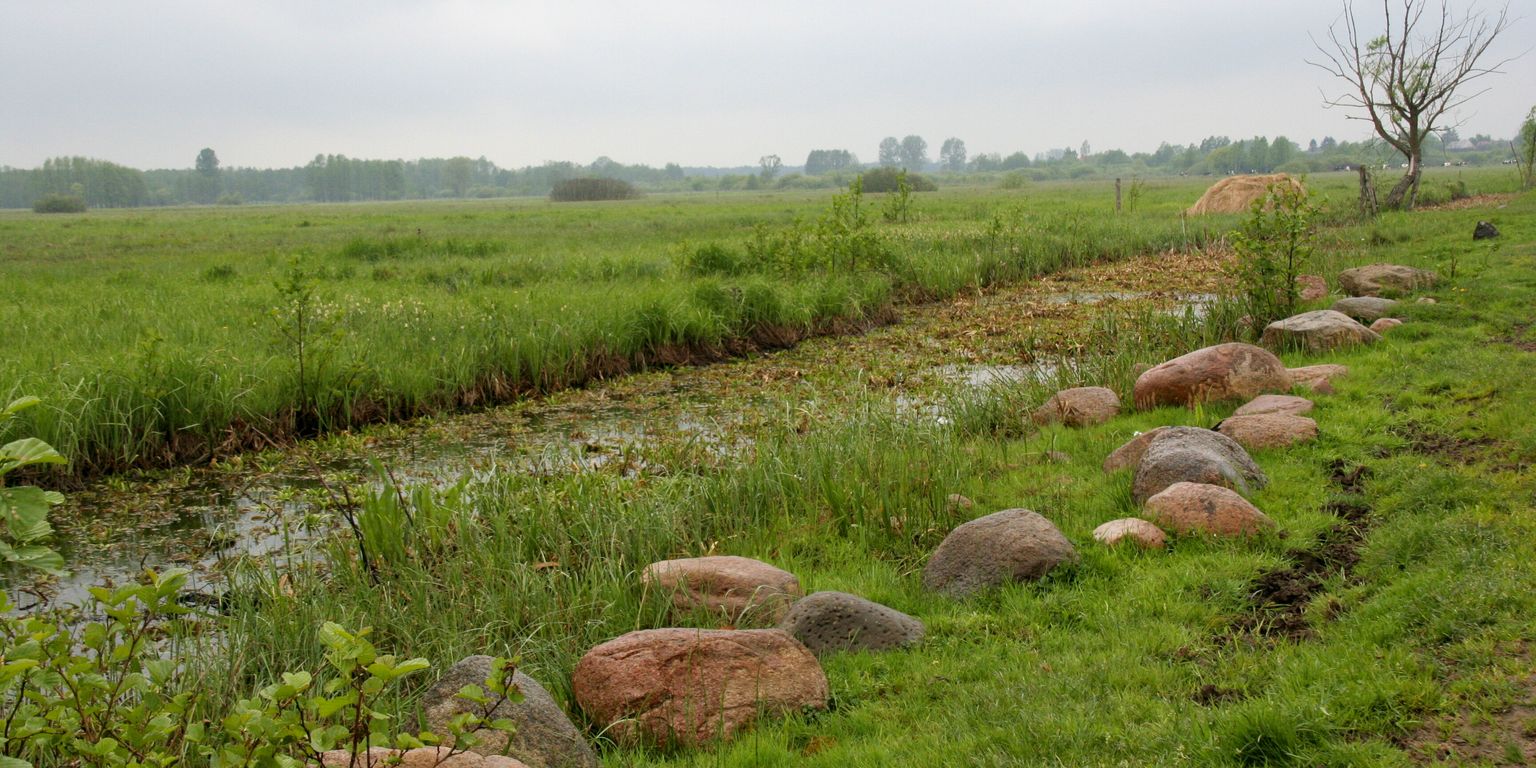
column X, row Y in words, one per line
column 1008, row 546
column 1366, row 309
column 545, row 736
column 827, row 622
column 1194, row 455
column 1318, row 331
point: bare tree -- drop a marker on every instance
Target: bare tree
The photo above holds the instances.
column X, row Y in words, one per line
column 1405, row 80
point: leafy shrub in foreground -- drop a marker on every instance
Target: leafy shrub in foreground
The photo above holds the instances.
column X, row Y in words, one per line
column 102, row 694
column 575, row 190
column 59, row 204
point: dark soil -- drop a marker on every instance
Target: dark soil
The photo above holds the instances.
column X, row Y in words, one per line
column 1278, row 598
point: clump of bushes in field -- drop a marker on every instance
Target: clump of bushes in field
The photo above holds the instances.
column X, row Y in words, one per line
column 578, row 190
column 889, row 180
column 59, row 204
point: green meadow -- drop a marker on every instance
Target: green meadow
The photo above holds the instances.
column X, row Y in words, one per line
column 1385, row 622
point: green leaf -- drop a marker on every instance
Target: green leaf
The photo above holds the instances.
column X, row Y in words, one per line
column 26, row 452
column 17, row 406
column 40, row 558
column 13, row 762
column 25, row 512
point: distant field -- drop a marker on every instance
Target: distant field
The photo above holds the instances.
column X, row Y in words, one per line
column 166, row 336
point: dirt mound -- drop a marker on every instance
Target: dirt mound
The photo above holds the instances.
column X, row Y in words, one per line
column 1236, row 194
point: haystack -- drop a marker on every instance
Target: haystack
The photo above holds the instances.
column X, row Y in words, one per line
column 1235, row 194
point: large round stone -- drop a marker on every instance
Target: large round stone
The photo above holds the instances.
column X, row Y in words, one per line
column 1191, row 454
column 1317, row 331
column 1222, row 372
column 545, row 737
column 827, row 622
column 1007, row 546
column 1384, row 280
column 726, row 584
column 1186, row 508
column 694, row 686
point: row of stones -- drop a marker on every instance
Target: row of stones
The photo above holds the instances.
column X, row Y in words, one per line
column 691, row 686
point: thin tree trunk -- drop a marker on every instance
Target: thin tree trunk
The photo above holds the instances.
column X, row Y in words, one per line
column 1406, row 192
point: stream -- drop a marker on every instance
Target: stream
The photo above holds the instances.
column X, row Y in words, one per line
column 261, row 505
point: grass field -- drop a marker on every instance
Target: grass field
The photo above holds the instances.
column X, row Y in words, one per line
column 165, row 337
column 1405, row 537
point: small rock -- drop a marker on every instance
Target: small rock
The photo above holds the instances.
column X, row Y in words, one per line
column 1180, row 454
column 1138, row 531
column 1318, row 331
column 1484, row 230
column 1428, row 300
column 424, row 757
column 1079, row 407
column 827, row 622
column 725, row 584
column 1058, row 457
column 960, row 502
column 545, row 736
column 1186, row 508
column 1296, row 406
column 1311, row 287
column 1221, row 372
column 1007, row 546
column 1364, row 308
column 1129, row 455
column 1318, row 378
column 1385, row 324
column 1268, row 430
column 694, row 686
column 1385, row 280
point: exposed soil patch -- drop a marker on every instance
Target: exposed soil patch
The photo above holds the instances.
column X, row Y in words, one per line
column 1213, row 695
column 1462, row 450
column 1278, row 598
column 1517, row 338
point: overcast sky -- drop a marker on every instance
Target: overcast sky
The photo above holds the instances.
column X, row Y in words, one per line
column 271, row 83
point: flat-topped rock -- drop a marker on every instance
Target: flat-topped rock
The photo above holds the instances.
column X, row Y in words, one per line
column 1191, row 454
column 694, row 686
column 1198, row 508
column 1007, row 546
column 1268, row 430
column 1385, row 280
column 828, row 622
column 726, row 584
column 1366, row 309
column 1318, row 378
column 1296, row 406
column 1317, row 331
column 1135, row 530
column 1221, row 372
column 1079, row 407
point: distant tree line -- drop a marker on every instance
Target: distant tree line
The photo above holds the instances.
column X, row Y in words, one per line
column 338, row 178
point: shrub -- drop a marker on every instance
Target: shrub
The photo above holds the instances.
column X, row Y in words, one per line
column 575, row 190
column 1273, row 247
column 889, row 180
column 712, row 259
column 59, row 204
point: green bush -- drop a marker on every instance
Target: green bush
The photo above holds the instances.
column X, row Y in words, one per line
column 889, row 180
column 578, row 190
column 712, row 259
column 59, row 204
